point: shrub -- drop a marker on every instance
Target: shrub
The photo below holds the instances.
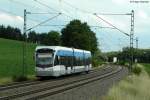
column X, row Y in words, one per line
column 19, row 78
column 96, row 62
column 132, row 88
column 121, row 62
column 136, row 70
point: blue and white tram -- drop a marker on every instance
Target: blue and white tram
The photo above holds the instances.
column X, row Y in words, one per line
column 57, row 60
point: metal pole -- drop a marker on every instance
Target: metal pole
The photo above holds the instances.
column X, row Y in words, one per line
column 131, row 39
column 137, row 42
column 24, row 44
column 136, row 60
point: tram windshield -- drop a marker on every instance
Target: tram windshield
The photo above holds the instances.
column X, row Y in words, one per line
column 44, row 57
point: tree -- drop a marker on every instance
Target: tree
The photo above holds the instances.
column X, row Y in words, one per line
column 2, row 29
column 32, row 37
column 42, row 38
column 17, row 34
column 53, row 38
column 79, row 35
column 50, row 38
column 10, row 33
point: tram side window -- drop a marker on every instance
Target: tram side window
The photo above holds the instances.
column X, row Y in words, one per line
column 62, row 60
column 66, row 60
column 87, row 60
column 74, row 61
column 56, row 62
column 78, row 61
column 70, row 60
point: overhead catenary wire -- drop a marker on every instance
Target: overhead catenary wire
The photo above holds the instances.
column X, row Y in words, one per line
column 14, row 14
column 43, row 22
column 76, row 8
column 109, row 37
column 96, row 14
column 89, row 26
column 113, row 14
column 83, row 11
column 31, row 19
column 62, row 10
column 43, row 4
column 26, row 5
column 42, row 13
column 111, row 24
column 21, row 3
column 47, row 6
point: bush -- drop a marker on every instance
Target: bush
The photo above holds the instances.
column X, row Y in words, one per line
column 96, row 63
column 136, row 70
column 132, row 88
column 121, row 62
column 19, row 78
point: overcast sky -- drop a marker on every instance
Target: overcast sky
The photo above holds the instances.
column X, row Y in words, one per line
column 11, row 13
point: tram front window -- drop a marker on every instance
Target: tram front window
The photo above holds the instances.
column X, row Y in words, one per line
column 44, row 59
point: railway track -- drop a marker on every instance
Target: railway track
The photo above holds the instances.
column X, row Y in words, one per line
column 21, row 84
column 56, row 86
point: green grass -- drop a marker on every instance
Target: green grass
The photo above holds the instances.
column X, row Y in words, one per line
column 147, row 67
column 11, row 58
column 134, row 87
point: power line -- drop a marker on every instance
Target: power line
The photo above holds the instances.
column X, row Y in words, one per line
column 14, row 14
column 111, row 24
column 89, row 25
column 42, row 13
column 68, row 16
column 45, row 5
column 43, row 22
column 110, row 38
column 101, row 27
column 65, row 10
column 20, row 3
column 113, row 14
column 81, row 10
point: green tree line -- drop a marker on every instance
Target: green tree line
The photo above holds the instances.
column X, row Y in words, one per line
column 75, row 34
column 10, row 33
column 141, row 55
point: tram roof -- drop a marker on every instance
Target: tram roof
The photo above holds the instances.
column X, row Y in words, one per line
column 61, row 48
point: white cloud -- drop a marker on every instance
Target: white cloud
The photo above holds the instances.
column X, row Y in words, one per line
column 142, row 14
column 142, row 22
column 19, row 18
column 6, row 18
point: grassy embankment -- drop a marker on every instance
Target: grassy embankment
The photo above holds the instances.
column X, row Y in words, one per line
column 133, row 87
column 11, row 59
